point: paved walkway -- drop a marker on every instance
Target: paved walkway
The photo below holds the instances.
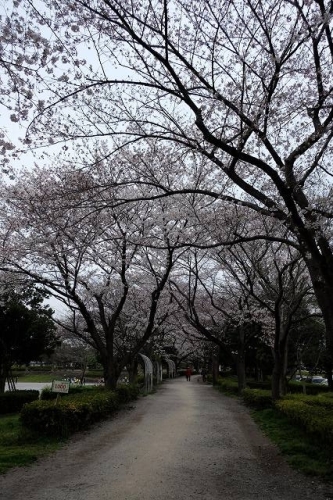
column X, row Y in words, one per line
column 187, row 441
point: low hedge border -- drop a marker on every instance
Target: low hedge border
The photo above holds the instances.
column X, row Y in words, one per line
column 310, row 389
column 74, row 412
column 13, row 401
column 257, row 398
column 312, row 413
column 127, row 392
column 312, row 416
column 227, row 385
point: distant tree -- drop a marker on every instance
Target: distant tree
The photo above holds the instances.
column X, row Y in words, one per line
column 27, row 330
column 215, row 309
column 306, row 346
column 274, row 277
column 73, row 353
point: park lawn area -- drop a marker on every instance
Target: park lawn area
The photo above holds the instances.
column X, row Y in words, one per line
column 21, row 447
column 301, row 452
column 37, row 377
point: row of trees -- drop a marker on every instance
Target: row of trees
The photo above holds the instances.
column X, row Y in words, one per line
column 128, row 278
column 191, row 145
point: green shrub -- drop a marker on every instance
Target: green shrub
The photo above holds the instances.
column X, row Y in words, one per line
column 313, row 414
column 83, row 406
column 140, row 380
column 127, row 392
column 227, row 374
column 44, row 368
column 12, row 401
column 321, row 400
column 253, row 384
column 227, row 385
column 94, row 374
column 70, row 413
column 257, row 398
column 18, row 371
column 311, row 389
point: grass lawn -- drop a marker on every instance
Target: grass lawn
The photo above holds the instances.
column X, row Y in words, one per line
column 20, row 447
column 37, row 377
column 301, row 452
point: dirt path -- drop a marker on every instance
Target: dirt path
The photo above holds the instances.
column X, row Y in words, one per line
column 185, row 442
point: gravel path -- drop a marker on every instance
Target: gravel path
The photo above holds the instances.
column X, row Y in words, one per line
column 187, row 441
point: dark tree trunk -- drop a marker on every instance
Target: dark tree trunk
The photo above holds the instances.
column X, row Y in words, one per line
column 132, row 368
column 323, row 289
column 241, row 375
column 283, row 378
column 215, row 364
column 110, row 374
column 2, row 383
column 4, row 372
column 276, row 375
column 279, row 368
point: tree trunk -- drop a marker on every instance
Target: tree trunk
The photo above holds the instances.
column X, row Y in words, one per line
column 241, row 360
column 110, row 374
column 276, row 375
column 283, row 378
column 132, row 368
column 323, row 289
column 215, row 364
column 2, row 383
column 241, row 375
column 4, row 371
column 279, row 369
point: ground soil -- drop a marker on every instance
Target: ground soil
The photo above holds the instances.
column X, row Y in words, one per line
column 187, row 441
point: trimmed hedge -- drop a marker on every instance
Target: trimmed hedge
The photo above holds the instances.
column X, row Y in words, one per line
column 313, row 413
column 253, row 384
column 45, row 368
column 322, row 400
column 13, row 401
column 257, row 398
column 69, row 414
column 127, row 392
column 76, row 410
column 227, row 385
column 311, row 389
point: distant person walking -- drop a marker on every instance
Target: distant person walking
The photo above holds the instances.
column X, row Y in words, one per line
column 188, row 374
column 203, row 373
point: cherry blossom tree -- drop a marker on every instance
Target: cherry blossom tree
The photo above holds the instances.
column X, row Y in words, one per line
column 247, row 85
column 94, row 261
column 215, row 308
column 275, row 277
column 236, row 295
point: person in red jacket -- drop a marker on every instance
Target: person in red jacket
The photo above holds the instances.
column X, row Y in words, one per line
column 188, row 373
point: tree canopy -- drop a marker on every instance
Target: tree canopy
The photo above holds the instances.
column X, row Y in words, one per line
column 225, row 107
